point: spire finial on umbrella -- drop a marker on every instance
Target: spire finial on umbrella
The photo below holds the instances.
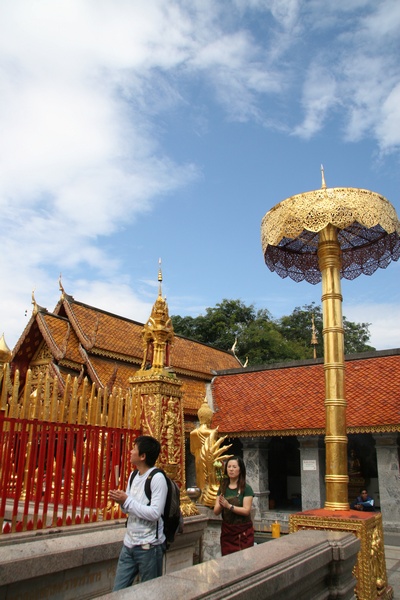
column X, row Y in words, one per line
column 159, row 277
column 323, row 185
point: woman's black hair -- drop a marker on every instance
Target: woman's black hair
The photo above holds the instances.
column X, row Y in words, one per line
column 241, row 484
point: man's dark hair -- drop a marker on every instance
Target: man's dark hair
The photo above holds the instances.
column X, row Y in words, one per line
column 149, row 446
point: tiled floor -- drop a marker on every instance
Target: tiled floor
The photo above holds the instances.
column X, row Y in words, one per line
column 392, row 555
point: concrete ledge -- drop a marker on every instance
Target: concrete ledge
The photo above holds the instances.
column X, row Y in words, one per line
column 307, row 564
column 34, row 554
column 77, row 562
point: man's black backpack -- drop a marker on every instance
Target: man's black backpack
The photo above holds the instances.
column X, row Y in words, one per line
column 172, row 516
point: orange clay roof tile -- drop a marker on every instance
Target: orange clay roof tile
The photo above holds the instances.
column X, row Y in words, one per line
column 111, row 373
column 292, row 398
column 60, row 333
column 111, row 348
column 189, row 355
column 108, row 333
column 103, row 330
column 193, row 394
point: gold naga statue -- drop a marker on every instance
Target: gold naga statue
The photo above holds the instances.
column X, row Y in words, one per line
column 207, row 448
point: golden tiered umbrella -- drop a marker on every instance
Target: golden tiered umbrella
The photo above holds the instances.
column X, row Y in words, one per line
column 323, row 235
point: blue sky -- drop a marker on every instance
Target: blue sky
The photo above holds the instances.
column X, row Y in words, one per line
column 138, row 130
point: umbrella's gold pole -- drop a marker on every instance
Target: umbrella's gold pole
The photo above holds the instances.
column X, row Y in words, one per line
column 336, row 478
column 370, row 570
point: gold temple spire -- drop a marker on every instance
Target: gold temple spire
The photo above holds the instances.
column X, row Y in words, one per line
column 159, row 277
column 323, row 185
column 158, row 334
column 314, row 338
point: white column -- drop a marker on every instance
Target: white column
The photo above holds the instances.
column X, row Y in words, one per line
column 255, row 456
column 312, row 473
column 387, row 458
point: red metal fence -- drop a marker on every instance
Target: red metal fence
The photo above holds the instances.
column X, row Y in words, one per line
column 56, row 473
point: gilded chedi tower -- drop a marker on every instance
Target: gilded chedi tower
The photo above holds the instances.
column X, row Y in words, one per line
column 158, row 392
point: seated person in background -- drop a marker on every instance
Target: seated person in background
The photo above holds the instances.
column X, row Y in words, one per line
column 363, row 502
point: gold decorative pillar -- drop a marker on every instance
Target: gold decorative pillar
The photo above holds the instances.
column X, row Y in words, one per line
column 161, row 417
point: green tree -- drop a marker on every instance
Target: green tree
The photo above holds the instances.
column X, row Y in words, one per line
column 262, row 339
column 261, row 342
column 356, row 337
column 220, row 326
column 298, row 327
column 186, row 326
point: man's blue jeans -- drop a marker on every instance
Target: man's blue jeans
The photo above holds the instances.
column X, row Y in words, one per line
column 148, row 563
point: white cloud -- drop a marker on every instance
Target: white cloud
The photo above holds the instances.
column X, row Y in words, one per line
column 381, row 24
column 319, row 96
column 354, row 69
column 80, row 85
column 113, row 296
column 384, row 319
column 79, row 156
column 84, row 85
column 388, row 129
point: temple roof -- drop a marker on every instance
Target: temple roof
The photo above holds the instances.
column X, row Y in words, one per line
column 110, row 348
column 288, row 399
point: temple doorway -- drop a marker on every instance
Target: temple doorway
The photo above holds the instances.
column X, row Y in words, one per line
column 362, row 466
column 284, row 473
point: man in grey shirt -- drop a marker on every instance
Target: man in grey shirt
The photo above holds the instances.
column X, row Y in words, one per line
column 144, row 541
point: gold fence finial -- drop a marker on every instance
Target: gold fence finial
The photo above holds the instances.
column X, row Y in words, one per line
column 5, row 352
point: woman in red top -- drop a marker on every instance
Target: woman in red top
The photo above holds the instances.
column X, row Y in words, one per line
column 234, row 502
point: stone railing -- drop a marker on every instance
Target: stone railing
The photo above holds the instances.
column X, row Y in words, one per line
column 78, row 562
column 308, row 565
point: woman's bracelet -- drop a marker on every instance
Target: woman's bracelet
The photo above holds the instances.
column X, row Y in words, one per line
column 231, row 508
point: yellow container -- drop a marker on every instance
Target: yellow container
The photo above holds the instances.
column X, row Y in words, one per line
column 276, row 530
